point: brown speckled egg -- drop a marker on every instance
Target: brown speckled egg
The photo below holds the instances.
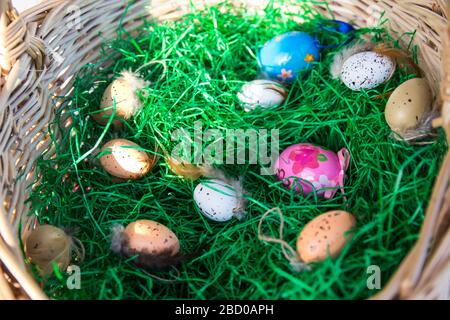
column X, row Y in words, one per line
column 150, row 237
column 407, row 105
column 325, row 235
column 125, row 97
column 125, row 159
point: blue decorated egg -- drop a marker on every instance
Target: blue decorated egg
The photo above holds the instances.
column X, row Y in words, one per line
column 285, row 56
column 340, row 26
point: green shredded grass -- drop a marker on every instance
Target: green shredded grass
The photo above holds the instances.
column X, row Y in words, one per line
column 209, row 55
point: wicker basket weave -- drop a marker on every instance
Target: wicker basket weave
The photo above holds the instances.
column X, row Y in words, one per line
column 44, row 47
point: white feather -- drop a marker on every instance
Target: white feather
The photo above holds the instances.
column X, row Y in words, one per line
column 117, row 238
column 341, row 57
column 135, row 83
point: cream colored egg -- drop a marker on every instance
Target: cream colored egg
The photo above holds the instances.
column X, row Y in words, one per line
column 125, row 159
column 150, row 237
column 407, row 105
column 127, row 102
column 47, row 244
column 325, row 235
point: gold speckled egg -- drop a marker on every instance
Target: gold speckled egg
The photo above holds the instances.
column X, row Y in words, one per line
column 325, row 235
column 125, row 159
column 407, row 105
column 124, row 96
column 146, row 236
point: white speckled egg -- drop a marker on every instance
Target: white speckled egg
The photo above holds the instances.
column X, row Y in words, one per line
column 367, row 70
column 262, row 93
column 216, row 199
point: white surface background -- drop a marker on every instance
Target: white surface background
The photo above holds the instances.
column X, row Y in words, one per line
column 22, row 5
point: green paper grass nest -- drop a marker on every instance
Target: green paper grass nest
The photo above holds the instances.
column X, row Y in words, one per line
column 208, row 56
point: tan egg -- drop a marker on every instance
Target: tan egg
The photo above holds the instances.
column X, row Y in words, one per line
column 47, row 243
column 407, row 105
column 124, row 159
column 123, row 92
column 150, row 237
column 102, row 118
column 325, row 235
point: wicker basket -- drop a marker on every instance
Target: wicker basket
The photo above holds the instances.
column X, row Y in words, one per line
column 43, row 48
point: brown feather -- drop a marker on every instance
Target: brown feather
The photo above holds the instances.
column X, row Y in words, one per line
column 399, row 55
column 159, row 262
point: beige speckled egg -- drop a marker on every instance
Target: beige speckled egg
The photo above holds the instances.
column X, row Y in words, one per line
column 124, row 159
column 407, row 105
column 367, row 70
column 146, row 236
column 48, row 243
column 325, row 235
column 126, row 100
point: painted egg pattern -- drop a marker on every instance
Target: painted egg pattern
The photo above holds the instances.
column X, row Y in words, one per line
column 325, row 235
column 285, row 56
column 125, row 159
column 408, row 104
column 306, row 167
column 216, row 200
column 262, row 93
column 146, row 236
column 367, row 70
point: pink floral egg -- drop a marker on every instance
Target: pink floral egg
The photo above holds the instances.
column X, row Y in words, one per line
column 305, row 167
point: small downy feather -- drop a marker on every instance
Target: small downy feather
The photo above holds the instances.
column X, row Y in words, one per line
column 398, row 55
column 135, row 83
column 117, row 238
column 423, row 130
column 159, row 262
column 342, row 56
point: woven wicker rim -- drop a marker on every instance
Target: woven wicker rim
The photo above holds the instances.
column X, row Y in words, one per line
column 31, row 73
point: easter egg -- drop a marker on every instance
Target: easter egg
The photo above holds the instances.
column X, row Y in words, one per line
column 262, row 93
column 125, row 159
column 340, row 27
column 121, row 93
column 103, row 117
column 150, row 237
column 47, row 244
column 285, row 56
column 407, row 105
column 367, row 70
column 307, row 168
column 325, row 235
column 216, row 200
